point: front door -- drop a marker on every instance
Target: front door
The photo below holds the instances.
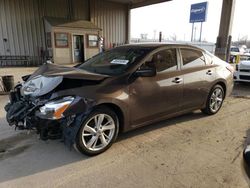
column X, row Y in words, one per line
column 152, row 98
column 78, row 48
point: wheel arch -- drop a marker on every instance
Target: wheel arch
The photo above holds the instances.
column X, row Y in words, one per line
column 223, row 85
column 117, row 110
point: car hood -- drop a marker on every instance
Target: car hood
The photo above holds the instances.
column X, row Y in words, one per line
column 50, row 70
column 49, row 76
column 244, row 64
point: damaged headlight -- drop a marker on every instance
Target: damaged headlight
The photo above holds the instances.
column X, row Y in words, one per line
column 55, row 109
column 40, row 85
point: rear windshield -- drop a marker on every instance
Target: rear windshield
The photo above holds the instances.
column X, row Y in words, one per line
column 115, row 61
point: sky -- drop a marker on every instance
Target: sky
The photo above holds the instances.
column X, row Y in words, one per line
column 172, row 19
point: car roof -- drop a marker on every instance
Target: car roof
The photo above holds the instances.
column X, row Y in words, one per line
column 158, row 44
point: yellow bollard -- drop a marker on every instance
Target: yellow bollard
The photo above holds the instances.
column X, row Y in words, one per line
column 237, row 59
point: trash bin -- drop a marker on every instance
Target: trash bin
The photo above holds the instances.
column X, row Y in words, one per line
column 8, row 82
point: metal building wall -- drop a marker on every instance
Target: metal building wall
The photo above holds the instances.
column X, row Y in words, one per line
column 81, row 9
column 21, row 24
column 112, row 18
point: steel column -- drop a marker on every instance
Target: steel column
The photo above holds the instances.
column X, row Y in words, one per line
column 226, row 21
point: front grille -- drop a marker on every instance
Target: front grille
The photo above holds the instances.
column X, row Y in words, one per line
column 243, row 77
column 244, row 70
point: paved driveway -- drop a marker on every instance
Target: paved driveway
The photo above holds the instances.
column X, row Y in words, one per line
column 193, row 150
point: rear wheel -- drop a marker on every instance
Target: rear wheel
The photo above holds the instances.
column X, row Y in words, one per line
column 214, row 100
column 97, row 132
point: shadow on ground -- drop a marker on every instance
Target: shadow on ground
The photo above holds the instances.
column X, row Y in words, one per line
column 241, row 89
column 170, row 122
column 24, row 154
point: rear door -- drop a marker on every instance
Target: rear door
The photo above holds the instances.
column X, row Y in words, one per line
column 198, row 77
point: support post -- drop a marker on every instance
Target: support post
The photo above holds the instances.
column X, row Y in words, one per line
column 201, row 31
column 229, row 42
column 128, row 25
column 192, row 34
column 195, row 33
column 222, row 44
column 160, row 36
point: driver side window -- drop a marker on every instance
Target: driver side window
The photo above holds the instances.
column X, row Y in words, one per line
column 164, row 60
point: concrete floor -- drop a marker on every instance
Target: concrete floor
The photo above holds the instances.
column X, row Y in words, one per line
column 193, row 150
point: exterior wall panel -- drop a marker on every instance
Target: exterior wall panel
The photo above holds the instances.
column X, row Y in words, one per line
column 22, row 28
column 112, row 18
column 81, row 9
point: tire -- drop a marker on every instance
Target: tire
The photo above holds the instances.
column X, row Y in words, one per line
column 98, row 131
column 215, row 100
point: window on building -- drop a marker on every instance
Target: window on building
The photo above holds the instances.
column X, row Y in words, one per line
column 92, row 41
column 192, row 58
column 61, row 40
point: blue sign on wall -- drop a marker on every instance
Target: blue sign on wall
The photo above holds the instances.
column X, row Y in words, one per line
column 198, row 12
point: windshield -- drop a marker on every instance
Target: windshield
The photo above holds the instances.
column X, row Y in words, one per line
column 115, row 61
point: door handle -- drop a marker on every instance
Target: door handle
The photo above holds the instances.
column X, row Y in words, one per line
column 177, row 80
column 209, row 72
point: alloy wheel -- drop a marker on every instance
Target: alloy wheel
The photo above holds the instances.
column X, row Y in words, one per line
column 216, row 100
column 98, row 132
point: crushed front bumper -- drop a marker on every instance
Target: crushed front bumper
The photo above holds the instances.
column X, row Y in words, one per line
column 23, row 113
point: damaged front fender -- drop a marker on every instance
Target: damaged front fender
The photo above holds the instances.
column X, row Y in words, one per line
column 64, row 107
column 25, row 113
column 67, row 127
column 79, row 105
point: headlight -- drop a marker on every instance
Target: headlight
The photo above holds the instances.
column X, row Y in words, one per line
column 55, row 109
column 40, row 85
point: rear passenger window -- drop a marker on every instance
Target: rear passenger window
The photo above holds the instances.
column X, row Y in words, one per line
column 192, row 58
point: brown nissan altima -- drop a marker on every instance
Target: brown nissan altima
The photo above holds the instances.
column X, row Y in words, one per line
column 118, row 90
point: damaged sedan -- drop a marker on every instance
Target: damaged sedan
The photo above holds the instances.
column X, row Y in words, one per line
column 116, row 91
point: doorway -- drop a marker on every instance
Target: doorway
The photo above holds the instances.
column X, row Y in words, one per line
column 78, row 48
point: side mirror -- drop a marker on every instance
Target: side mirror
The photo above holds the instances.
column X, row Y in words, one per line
column 146, row 72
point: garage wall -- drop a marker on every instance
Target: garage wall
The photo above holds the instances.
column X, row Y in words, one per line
column 22, row 28
column 112, row 18
column 81, row 9
column 21, row 24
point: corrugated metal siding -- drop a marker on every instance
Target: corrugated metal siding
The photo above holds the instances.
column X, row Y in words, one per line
column 21, row 24
column 81, row 9
column 112, row 18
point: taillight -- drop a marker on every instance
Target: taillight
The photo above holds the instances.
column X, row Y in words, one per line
column 230, row 68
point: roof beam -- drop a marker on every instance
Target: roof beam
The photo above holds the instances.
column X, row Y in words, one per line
column 146, row 3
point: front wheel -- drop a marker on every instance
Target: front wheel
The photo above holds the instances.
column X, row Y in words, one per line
column 97, row 132
column 214, row 100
